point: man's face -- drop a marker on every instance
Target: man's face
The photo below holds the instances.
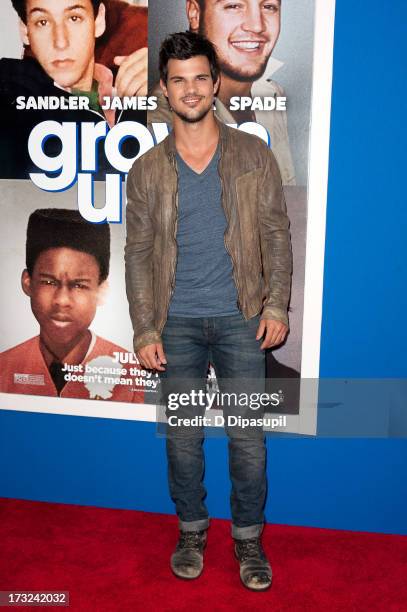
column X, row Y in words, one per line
column 64, row 291
column 190, row 89
column 62, row 35
column 244, row 33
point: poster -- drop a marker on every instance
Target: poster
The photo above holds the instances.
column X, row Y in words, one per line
column 57, row 154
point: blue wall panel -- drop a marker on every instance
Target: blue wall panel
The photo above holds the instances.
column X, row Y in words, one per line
column 344, row 484
column 365, row 293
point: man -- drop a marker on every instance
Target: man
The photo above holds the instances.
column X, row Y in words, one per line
column 244, row 34
column 67, row 265
column 208, row 265
column 59, row 38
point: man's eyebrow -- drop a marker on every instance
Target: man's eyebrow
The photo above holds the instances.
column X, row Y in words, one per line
column 74, row 280
column 223, row 1
column 175, row 76
column 38, row 9
column 75, row 7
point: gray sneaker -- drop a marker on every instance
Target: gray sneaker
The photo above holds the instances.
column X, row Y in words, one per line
column 187, row 560
column 255, row 570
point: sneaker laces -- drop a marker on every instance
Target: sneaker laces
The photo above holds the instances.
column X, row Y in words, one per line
column 249, row 548
column 191, row 539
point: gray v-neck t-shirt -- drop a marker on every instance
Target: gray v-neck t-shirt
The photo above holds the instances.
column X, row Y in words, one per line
column 204, row 285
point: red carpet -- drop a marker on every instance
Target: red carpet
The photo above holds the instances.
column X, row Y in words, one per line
column 118, row 560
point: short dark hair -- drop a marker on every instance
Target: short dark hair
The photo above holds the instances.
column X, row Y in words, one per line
column 21, row 8
column 55, row 228
column 183, row 46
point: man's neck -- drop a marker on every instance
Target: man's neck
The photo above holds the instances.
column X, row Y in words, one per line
column 73, row 354
column 195, row 138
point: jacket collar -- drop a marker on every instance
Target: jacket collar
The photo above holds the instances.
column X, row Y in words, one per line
column 169, row 142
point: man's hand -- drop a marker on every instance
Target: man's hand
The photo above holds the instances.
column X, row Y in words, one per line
column 131, row 79
column 152, row 357
column 275, row 332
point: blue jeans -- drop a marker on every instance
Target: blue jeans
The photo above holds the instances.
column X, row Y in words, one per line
column 229, row 343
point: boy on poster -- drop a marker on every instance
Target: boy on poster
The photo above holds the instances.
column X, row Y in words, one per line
column 67, row 266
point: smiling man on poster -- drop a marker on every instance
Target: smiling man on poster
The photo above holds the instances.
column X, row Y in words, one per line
column 208, row 272
column 59, row 66
column 244, row 33
column 61, row 37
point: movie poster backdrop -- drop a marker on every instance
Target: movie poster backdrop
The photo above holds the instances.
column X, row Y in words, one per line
column 57, row 154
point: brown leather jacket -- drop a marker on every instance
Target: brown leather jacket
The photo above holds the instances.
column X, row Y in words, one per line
column 257, row 236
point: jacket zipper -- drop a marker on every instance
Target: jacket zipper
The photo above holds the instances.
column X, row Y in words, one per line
column 224, row 238
column 172, row 284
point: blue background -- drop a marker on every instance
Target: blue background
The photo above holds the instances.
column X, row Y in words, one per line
column 346, row 484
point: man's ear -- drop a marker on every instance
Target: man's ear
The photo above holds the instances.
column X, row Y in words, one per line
column 26, row 283
column 102, row 292
column 193, row 14
column 23, row 32
column 164, row 88
column 100, row 21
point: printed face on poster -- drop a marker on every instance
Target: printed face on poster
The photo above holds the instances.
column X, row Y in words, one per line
column 66, row 146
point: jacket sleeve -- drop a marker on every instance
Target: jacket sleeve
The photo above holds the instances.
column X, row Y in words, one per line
column 275, row 243
column 138, row 260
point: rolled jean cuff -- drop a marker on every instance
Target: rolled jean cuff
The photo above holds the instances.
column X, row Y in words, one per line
column 198, row 525
column 245, row 533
